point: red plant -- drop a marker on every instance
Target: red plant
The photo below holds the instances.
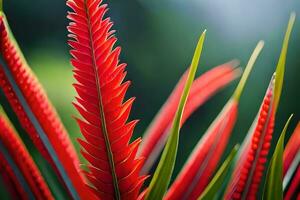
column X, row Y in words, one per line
column 114, row 168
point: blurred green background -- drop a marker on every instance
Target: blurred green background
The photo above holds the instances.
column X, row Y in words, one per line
column 158, row 40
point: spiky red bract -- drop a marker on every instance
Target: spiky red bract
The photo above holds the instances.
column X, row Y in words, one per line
column 202, row 89
column 291, row 149
column 250, row 165
column 293, row 189
column 40, row 106
column 23, row 159
column 113, row 167
column 12, row 184
column 202, row 163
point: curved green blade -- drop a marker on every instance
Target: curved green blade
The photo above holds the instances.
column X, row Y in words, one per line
column 239, row 89
column 281, row 63
column 216, row 183
column 273, row 186
column 162, row 176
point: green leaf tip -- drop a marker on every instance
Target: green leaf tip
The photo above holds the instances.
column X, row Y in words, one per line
column 273, row 185
column 162, row 175
column 215, row 185
column 1, row 5
column 238, row 91
column 282, row 59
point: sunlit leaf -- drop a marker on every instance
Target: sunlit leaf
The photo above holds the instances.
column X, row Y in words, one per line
column 162, row 175
column 280, row 70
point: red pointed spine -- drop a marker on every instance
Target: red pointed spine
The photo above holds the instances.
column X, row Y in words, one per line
column 291, row 149
column 202, row 89
column 202, row 163
column 113, row 167
column 250, row 166
column 24, row 161
column 42, row 109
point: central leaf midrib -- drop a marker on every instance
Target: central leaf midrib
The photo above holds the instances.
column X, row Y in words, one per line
column 102, row 115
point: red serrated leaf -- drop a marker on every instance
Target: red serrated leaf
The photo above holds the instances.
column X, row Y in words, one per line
column 202, row 89
column 24, row 161
column 250, row 165
column 114, row 169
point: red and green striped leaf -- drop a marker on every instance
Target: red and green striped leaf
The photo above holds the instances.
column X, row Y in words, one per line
column 22, row 159
column 293, row 189
column 291, row 165
column 162, row 176
column 203, row 161
column 291, row 149
column 202, row 89
column 36, row 114
column 113, row 166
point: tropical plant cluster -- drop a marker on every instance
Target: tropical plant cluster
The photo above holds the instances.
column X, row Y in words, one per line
column 117, row 167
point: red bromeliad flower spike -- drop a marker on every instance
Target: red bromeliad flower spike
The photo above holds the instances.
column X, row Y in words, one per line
column 19, row 154
column 253, row 156
column 202, row 163
column 36, row 114
column 202, row 89
column 113, row 166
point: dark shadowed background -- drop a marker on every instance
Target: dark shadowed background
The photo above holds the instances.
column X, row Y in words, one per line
column 158, row 40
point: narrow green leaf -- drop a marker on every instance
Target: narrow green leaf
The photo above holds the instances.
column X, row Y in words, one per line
column 161, row 178
column 281, row 63
column 216, row 183
column 1, row 5
column 273, row 186
column 238, row 91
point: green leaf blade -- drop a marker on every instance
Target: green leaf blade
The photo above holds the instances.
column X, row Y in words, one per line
column 273, row 186
column 280, row 69
column 239, row 89
column 162, row 176
column 216, row 183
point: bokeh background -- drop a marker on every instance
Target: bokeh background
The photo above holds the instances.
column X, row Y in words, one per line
column 158, row 40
